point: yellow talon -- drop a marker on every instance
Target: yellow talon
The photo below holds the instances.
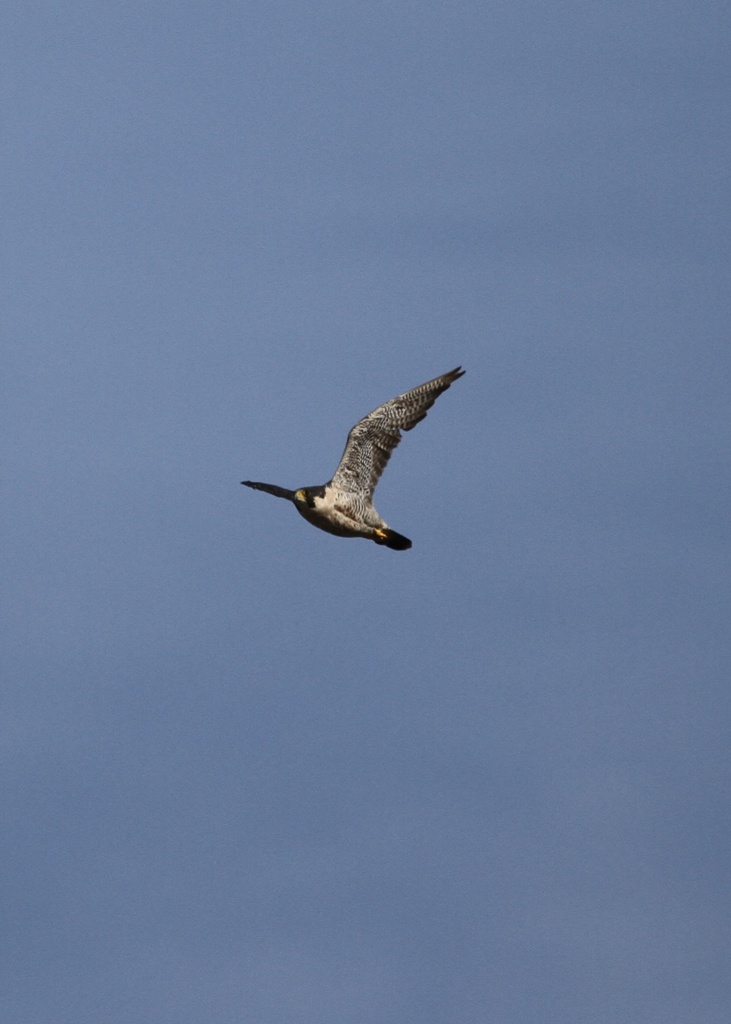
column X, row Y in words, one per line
column 381, row 534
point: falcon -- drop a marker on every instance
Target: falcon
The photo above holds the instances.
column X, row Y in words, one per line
column 344, row 505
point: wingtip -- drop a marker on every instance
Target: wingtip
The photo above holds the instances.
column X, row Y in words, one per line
column 278, row 492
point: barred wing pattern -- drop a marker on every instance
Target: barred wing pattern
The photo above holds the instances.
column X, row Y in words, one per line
column 372, row 440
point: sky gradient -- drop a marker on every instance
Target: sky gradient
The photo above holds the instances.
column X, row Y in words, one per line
column 253, row 772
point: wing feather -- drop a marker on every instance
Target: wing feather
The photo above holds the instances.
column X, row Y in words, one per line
column 373, row 439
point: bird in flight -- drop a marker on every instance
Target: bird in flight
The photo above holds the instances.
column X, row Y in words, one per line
column 344, row 506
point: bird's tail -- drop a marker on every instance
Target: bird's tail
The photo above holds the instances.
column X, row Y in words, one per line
column 393, row 540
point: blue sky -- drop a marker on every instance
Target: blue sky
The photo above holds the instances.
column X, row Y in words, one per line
column 253, row 772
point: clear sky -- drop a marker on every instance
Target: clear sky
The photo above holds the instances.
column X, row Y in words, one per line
column 255, row 773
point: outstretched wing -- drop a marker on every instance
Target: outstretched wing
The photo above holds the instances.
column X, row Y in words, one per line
column 372, row 440
column 278, row 492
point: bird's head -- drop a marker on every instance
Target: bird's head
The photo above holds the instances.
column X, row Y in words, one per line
column 303, row 497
